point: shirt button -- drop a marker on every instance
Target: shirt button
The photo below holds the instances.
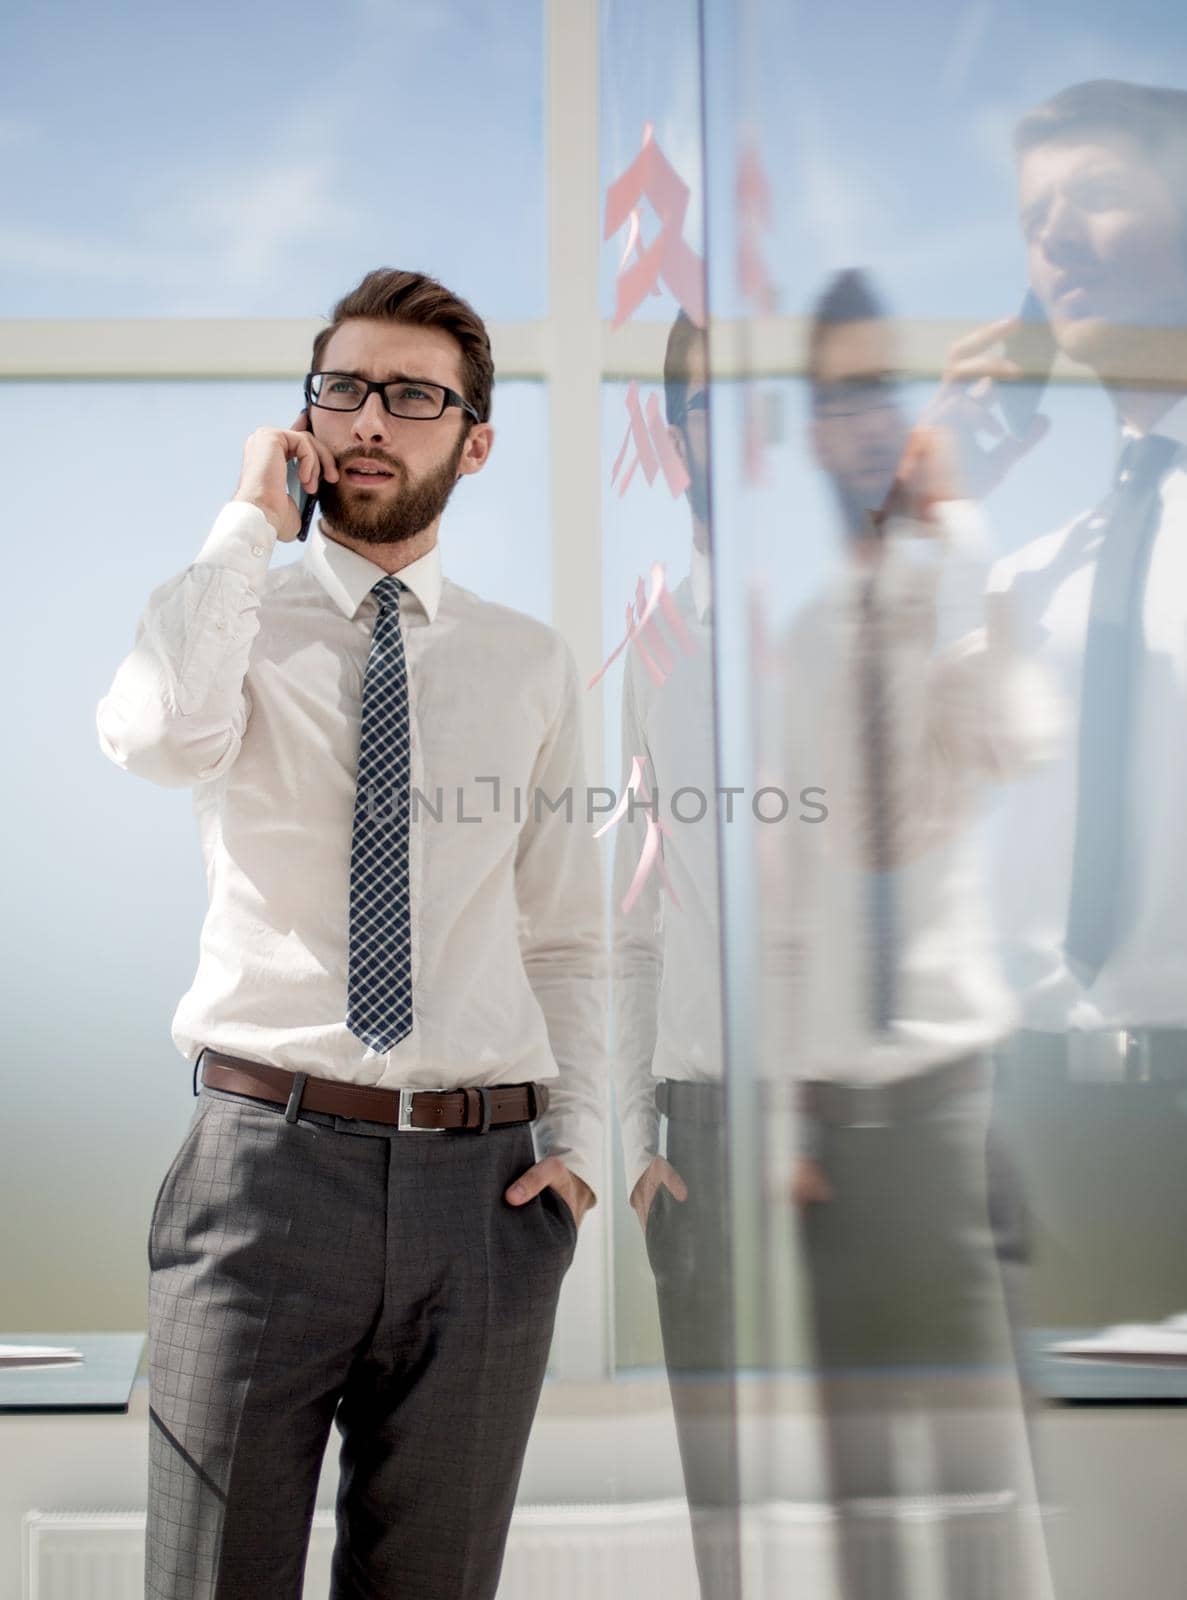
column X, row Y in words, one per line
column 221, row 626
column 257, row 549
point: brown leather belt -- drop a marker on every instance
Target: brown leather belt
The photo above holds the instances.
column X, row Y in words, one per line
column 409, row 1110
column 876, row 1105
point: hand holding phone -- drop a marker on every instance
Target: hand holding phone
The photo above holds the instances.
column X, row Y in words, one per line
column 1031, row 346
column 282, row 469
column 991, row 413
column 927, row 475
column 305, row 503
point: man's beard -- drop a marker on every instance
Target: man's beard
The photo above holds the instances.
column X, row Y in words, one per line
column 391, row 521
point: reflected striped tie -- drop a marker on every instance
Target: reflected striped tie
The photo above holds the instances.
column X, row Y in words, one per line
column 1112, row 658
column 881, row 906
column 379, row 969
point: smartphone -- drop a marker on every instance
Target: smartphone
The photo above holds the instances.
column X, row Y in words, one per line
column 306, row 503
column 1033, row 347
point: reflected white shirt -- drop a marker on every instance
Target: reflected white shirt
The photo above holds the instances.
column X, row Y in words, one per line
column 666, row 954
column 1144, row 981
column 246, row 683
column 964, row 707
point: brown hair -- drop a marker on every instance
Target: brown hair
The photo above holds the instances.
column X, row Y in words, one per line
column 847, row 297
column 683, row 338
column 1155, row 117
column 394, row 296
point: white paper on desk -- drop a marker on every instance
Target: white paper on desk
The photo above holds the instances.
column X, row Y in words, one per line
column 37, row 1355
column 1164, row 1342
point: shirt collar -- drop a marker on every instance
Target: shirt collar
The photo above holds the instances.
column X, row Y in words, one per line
column 348, row 577
column 1172, row 425
column 700, row 576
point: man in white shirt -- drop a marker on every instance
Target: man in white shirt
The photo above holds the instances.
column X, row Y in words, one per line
column 399, row 984
column 1093, row 859
column 902, row 697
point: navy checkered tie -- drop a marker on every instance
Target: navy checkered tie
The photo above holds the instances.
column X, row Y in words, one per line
column 379, row 975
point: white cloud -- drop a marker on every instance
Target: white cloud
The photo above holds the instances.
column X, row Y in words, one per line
column 248, row 220
column 971, row 28
column 991, row 133
column 222, row 236
column 843, row 213
column 39, row 250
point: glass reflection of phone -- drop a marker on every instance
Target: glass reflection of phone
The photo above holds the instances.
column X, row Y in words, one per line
column 306, row 503
column 1033, row 347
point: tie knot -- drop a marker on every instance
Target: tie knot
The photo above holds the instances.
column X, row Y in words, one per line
column 387, row 592
column 1143, row 461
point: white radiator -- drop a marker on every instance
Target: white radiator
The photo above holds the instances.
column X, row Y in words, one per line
column 594, row 1552
column 581, row 1552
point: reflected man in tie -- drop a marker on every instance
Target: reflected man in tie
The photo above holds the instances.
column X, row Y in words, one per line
column 666, row 998
column 902, row 697
column 1092, row 862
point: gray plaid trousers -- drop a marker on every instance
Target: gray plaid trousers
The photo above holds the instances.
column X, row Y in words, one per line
column 332, row 1270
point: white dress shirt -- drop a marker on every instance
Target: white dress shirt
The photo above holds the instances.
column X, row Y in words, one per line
column 1144, row 980
column 963, row 707
column 667, row 955
column 246, row 684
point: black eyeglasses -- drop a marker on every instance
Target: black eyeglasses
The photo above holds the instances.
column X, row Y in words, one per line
column 855, row 397
column 405, row 397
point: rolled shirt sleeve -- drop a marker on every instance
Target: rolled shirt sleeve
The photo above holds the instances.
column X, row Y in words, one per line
column 561, row 938
column 178, row 707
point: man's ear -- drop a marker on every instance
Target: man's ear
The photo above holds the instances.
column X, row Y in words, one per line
column 479, row 442
column 679, row 444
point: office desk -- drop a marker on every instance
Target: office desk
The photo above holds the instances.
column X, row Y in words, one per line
column 102, row 1381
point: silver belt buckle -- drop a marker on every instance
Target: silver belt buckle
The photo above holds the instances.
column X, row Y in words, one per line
column 874, row 1102
column 1102, row 1056
column 1139, row 1067
column 404, row 1122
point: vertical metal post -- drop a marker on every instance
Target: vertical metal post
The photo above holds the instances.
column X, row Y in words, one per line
column 574, row 366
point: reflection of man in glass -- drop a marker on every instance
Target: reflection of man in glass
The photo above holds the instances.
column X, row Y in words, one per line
column 902, row 697
column 1093, row 864
column 667, row 1002
column 860, row 428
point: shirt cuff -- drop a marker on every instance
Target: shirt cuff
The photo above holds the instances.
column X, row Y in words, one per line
column 640, row 1146
column 577, row 1142
column 241, row 540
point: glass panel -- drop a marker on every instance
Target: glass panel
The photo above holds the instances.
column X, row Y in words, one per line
column 956, row 1139
column 259, row 166
column 674, row 1328
column 651, row 80
column 118, row 485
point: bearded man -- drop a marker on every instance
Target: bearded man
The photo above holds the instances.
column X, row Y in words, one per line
column 396, row 1018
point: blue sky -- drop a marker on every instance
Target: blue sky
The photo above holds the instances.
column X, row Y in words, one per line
column 250, row 159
